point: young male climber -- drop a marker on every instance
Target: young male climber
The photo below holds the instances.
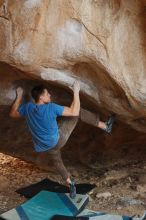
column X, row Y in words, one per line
column 49, row 136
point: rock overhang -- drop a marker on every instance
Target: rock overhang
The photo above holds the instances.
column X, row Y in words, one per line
column 102, row 45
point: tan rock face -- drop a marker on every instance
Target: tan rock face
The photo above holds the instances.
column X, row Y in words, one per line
column 100, row 42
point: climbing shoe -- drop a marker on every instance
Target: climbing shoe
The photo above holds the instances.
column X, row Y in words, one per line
column 109, row 124
column 72, row 190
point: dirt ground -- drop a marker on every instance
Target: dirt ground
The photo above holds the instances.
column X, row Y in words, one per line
column 120, row 187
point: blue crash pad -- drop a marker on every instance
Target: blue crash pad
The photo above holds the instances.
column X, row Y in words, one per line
column 47, row 204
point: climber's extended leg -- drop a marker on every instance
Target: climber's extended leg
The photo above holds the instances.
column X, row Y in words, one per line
column 93, row 119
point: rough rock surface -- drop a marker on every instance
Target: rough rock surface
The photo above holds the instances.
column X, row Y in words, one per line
column 100, row 42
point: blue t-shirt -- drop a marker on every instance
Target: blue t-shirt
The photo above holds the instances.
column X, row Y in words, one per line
column 41, row 121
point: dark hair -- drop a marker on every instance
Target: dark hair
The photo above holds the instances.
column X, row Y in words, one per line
column 37, row 91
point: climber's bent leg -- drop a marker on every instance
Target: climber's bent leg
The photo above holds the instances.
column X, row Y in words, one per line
column 66, row 127
column 55, row 157
column 51, row 161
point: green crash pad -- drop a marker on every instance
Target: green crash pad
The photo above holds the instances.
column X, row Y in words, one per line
column 47, row 204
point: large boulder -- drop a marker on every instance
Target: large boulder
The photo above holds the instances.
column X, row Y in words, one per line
column 102, row 43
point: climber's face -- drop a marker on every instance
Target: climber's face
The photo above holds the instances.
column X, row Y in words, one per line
column 45, row 97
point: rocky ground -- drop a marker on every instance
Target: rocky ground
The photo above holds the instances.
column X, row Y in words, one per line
column 121, row 187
